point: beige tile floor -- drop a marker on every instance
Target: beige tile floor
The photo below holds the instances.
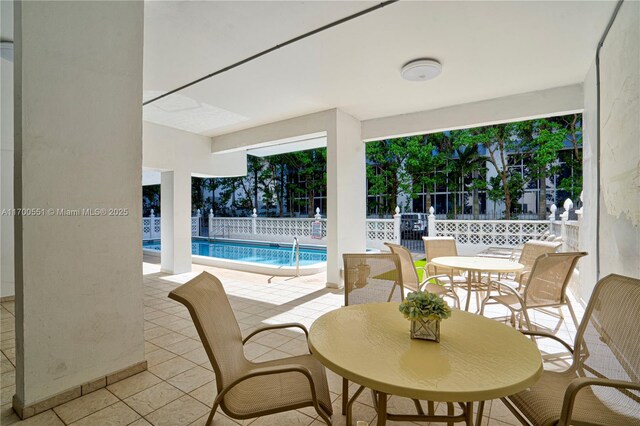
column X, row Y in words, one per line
column 179, row 386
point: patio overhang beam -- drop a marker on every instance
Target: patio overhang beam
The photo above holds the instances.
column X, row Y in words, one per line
column 524, row 106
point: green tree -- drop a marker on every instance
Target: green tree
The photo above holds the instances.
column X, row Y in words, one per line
column 573, row 126
column 384, row 161
column 150, row 199
column 422, row 161
column 271, row 183
column 311, row 180
column 240, row 193
column 499, row 140
column 541, row 140
column 469, row 163
column 495, row 192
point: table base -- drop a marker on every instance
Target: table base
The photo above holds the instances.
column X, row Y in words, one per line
column 380, row 405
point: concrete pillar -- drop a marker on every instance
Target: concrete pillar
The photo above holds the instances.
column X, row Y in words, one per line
column 175, row 222
column 346, row 194
column 78, row 145
column 7, row 288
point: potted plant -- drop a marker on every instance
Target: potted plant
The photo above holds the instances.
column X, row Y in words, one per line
column 425, row 311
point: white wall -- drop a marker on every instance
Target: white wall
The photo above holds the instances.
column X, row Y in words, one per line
column 620, row 145
column 588, row 226
column 619, row 231
column 79, row 311
column 7, row 272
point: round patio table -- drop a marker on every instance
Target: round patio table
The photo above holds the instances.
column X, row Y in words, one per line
column 476, row 264
column 477, row 359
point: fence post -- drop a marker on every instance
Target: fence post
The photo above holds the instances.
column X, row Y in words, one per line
column 210, row 222
column 432, row 222
column 318, row 216
column 254, row 221
column 396, row 225
column 564, row 217
column 579, row 214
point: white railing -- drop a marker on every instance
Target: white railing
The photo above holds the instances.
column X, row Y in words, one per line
column 225, row 226
column 289, row 227
column 282, row 230
column 151, row 227
column 555, row 227
column 380, row 231
column 571, row 237
column 485, row 233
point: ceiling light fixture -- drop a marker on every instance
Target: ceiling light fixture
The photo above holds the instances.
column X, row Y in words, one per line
column 421, row 70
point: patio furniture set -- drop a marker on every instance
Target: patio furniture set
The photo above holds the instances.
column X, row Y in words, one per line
column 477, row 359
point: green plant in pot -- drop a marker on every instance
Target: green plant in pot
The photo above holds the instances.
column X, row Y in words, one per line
column 425, row 311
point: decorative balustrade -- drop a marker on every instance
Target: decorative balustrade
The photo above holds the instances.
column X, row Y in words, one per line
column 471, row 235
column 555, row 228
column 266, row 229
column 571, row 237
column 481, row 233
column 224, row 226
column 380, row 231
column 151, row 227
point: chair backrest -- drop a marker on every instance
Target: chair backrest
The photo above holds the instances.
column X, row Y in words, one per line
column 608, row 340
column 439, row 246
column 550, row 275
column 371, row 278
column 550, row 237
column 217, row 327
column 533, row 250
column 410, row 279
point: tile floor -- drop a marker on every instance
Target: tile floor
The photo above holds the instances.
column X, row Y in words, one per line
column 179, row 386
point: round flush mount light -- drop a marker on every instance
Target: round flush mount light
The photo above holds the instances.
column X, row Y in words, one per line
column 421, row 70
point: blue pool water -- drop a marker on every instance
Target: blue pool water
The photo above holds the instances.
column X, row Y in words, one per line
column 266, row 254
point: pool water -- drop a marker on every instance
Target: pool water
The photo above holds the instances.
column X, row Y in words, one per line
column 266, row 254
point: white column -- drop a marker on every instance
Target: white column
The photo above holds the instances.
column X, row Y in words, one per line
column 346, row 194
column 78, row 145
column 7, row 274
column 175, row 219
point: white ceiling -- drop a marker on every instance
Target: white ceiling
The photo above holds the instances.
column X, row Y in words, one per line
column 487, row 49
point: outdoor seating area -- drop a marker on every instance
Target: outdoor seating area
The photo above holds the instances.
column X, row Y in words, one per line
column 180, row 385
column 347, row 213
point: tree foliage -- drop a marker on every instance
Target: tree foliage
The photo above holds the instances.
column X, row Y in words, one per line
column 467, row 162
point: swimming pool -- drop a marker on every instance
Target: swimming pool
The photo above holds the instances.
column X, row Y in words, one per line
column 264, row 256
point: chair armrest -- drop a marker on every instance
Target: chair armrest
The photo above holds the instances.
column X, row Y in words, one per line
column 501, row 286
column 579, row 383
column 276, row 327
column 549, row 335
column 434, row 278
column 522, row 275
column 264, row 371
